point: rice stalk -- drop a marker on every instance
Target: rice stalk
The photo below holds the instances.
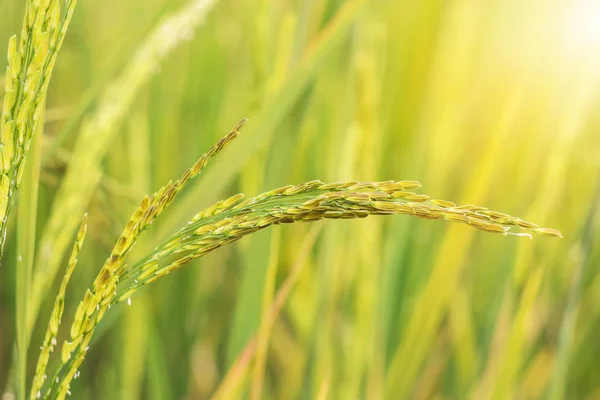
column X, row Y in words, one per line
column 50, row 343
column 580, row 264
column 323, row 393
column 265, row 327
column 461, row 330
column 504, row 384
column 27, row 214
column 97, row 133
column 134, row 327
column 31, row 61
column 231, row 383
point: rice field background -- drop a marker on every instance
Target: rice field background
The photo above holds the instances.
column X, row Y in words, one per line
column 493, row 103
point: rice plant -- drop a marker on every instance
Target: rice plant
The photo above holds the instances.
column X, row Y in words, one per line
column 379, row 308
column 226, row 222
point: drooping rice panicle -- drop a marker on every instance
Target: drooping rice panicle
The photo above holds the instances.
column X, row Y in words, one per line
column 219, row 225
column 388, row 197
column 49, row 343
column 31, row 61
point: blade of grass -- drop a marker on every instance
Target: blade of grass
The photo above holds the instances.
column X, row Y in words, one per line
column 462, row 331
column 323, row 393
column 309, row 21
column 134, row 331
column 135, row 344
column 231, row 386
column 537, row 376
column 158, row 383
column 427, row 384
column 567, row 330
column 496, row 348
column 265, row 325
column 435, row 298
column 246, row 318
column 504, row 386
column 26, row 229
column 237, row 373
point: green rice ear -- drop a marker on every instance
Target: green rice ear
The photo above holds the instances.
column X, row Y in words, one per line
column 49, row 343
column 31, row 60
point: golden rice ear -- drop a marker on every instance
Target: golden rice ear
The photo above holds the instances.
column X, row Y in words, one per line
column 230, row 220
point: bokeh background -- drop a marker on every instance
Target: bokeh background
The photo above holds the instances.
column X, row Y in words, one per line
column 489, row 102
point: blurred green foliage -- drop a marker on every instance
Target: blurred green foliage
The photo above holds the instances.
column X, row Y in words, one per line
column 488, row 103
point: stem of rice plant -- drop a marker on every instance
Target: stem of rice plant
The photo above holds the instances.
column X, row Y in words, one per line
column 26, row 246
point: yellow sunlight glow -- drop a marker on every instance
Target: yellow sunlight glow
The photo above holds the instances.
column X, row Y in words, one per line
column 581, row 30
